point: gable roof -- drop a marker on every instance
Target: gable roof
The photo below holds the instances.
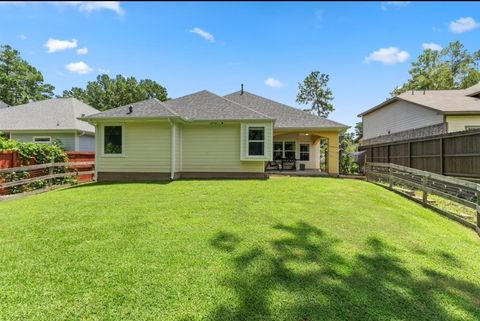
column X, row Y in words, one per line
column 205, row 105
column 286, row 116
column 3, row 105
column 49, row 114
column 456, row 101
column 142, row 109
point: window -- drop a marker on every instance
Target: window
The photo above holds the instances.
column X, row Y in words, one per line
column 305, row 152
column 256, row 141
column 42, row 139
column 289, row 148
column 112, row 140
column 472, row 127
column 277, row 150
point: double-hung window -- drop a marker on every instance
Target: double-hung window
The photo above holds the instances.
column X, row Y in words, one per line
column 305, row 152
column 113, row 140
column 289, row 149
column 283, row 150
column 256, row 141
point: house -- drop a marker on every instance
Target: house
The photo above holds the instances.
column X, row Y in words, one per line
column 416, row 114
column 48, row 121
column 204, row 135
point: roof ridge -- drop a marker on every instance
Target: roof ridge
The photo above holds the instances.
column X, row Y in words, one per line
column 273, row 101
column 245, row 107
column 166, row 107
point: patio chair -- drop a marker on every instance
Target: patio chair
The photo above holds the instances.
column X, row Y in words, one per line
column 289, row 164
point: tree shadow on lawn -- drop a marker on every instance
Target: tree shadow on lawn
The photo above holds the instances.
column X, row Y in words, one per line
column 304, row 277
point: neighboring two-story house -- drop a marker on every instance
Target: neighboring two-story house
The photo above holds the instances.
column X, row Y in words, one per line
column 416, row 114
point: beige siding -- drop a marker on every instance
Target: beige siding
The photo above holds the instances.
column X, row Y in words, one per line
column 214, row 148
column 67, row 140
column 146, row 146
column 178, row 147
column 458, row 123
column 397, row 117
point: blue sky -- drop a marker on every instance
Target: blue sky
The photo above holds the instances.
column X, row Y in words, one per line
column 366, row 48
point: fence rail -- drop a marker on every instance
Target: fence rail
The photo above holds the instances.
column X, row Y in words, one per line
column 453, row 154
column 71, row 170
column 453, row 189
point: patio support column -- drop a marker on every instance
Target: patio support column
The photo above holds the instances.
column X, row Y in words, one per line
column 333, row 155
column 173, row 127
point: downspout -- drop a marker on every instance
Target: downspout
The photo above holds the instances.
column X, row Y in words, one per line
column 97, row 154
column 172, row 149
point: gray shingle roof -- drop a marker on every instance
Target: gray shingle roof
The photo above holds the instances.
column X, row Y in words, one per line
column 3, row 105
column 146, row 108
column 286, row 116
column 205, row 105
column 49, row 114
column 444, row 101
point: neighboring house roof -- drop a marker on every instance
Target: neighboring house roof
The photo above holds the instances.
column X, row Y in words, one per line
column 49, row 114
column 286, row 116
column 457, row 101
column 3, row 105
column 142, row 109
column 205, row 105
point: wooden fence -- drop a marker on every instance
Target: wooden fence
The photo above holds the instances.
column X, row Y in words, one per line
column 453, row 189
column 43, row 172
column 453, row 154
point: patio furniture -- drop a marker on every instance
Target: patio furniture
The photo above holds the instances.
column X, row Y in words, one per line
column 289, row 164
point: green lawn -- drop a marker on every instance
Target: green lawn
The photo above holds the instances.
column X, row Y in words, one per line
column 291, row 249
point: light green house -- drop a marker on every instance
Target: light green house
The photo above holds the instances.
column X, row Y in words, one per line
column 48, row 121
column 203, row 135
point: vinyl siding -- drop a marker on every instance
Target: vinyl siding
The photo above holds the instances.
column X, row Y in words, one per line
column 146, row 149
column 458, row 123
column 67, row 140
column 178, row 147
column 86, row 143
column 397, row 117
column 215, row 148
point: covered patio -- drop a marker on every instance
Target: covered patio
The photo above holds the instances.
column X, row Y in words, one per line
column 304, row 153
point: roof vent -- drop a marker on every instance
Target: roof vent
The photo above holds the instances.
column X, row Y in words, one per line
column 413, row 92
column 83, row 115
column 424, row 91
column 130, row 110
column 241, row 89
column 58, row 123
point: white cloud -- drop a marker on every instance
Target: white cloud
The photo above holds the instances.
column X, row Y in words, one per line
column 463, row 25
column 54, row 45
column 82, row 51
column 204, row 34
column 79, row 68
column 432, row 46
column 274, row 83
column 84, row 6
column 22, row 36
column 388, row 56
column 390, row 4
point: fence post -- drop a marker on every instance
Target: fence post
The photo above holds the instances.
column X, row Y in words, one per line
column 50, row 172
column 390, row 176
column 478, row 209
column 424, row 190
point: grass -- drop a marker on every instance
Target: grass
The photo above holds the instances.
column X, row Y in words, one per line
column 281, row 249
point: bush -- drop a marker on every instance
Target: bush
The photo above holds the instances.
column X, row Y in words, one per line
column 38, row 154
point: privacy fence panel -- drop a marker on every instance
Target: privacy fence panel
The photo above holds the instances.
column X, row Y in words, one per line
column 453, row 154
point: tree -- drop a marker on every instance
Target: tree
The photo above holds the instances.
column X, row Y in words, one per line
column 20, row 82
column 314, row 91
column 451, row 68
column 358, row 131
column 105, row 92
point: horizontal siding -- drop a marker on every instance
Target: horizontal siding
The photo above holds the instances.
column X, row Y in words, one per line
column 86, row 143
column 268, row 141
column 397, row 117
column 178, row 148
column 147, row 149
column 458, row 123
column 214, row 148
column 67, row 140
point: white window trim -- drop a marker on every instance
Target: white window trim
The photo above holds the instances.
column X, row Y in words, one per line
column 43, row 137
column 256, row 141
column 309, row 152
column 102, row 137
